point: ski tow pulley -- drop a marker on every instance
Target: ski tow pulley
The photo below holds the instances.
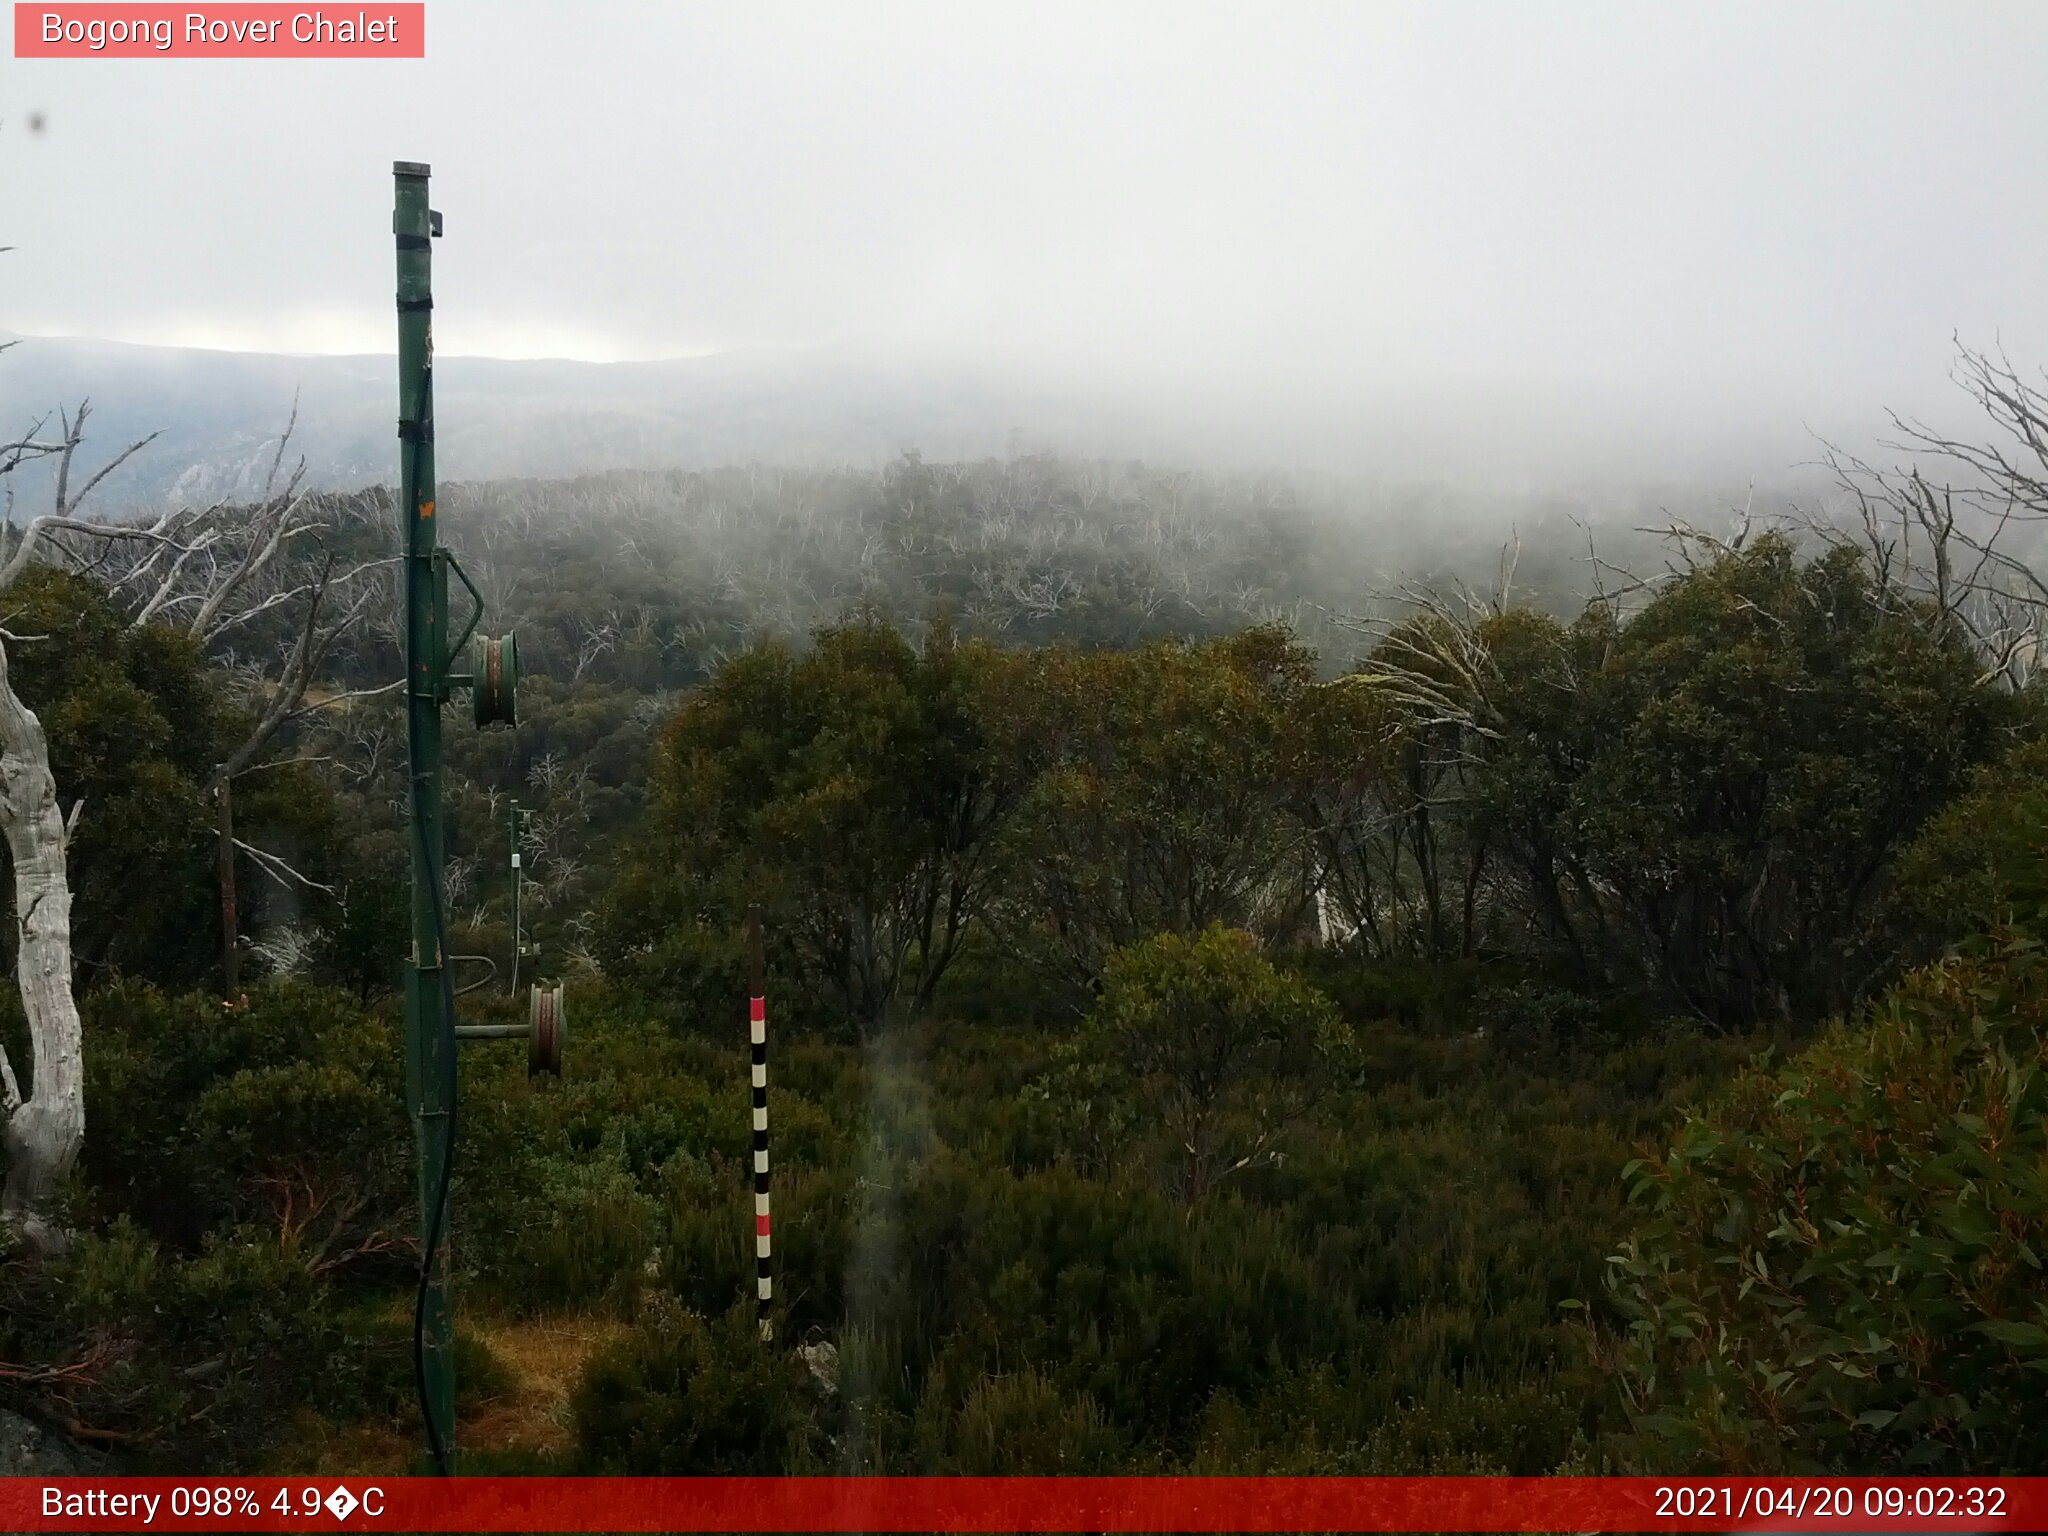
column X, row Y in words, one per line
column 546, row 1024
column 494, row 685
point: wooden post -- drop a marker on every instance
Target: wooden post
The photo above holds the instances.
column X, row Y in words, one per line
column 230, row 923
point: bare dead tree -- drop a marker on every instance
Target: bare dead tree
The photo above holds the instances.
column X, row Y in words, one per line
column 594, row 638
column 1957, row 532
column 281, row 701
column 45, row 1126
column 1953, row 535
column 230, row 568
column 210, row 572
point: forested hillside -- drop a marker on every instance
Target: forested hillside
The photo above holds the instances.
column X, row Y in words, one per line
column 1256, row 986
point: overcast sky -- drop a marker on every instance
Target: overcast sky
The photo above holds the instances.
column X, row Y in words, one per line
column 1794, row 202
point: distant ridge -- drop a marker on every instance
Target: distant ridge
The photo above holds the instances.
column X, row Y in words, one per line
column 219, row 414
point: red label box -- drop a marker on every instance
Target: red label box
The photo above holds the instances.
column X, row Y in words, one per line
column 241, row 31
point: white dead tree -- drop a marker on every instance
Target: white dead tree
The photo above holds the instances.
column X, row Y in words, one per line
column 1954, row 535
column 208, row 570
column 45, row 1121
column 594, row 638
column 1960, row 530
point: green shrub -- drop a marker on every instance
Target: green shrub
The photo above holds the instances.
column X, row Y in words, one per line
column 687, row 1394
column 1208, row 1042
column 1420, row 995
column 1322, row 1422
column 583, row 1238
column 1840, row 1264
column 180, row 1146
column 1979, row 865
column 194, row 1359
column 1022, row 1425
column 310, row 1150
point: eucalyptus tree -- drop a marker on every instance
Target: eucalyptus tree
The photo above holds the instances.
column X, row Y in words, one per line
column 855, row 790
column 1163, row 796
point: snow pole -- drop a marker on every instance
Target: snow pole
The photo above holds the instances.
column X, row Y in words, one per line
column 757, row 1027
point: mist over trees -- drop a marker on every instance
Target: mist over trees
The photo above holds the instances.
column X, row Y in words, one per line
column 1498, row 444
column 1257, row 986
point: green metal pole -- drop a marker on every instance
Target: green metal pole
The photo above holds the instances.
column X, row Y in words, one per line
column 429, row 1011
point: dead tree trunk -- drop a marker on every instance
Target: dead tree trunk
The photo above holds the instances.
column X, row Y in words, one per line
column 46, row 1126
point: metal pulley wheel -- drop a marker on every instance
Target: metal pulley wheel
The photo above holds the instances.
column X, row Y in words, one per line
column 494, row 687
column 545, row 1026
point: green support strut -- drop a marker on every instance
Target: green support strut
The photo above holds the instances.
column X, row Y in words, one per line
column 429, row 1003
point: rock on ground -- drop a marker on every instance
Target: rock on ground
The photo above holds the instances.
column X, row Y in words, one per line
column 28, row 1450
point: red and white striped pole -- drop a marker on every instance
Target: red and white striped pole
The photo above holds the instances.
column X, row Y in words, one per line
column 757, row 1024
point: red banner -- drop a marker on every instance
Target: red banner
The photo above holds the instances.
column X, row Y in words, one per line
column 1575, row 1504
column 376, row 30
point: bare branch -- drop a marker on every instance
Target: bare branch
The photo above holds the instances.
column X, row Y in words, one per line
column 280, row 871
column 105, row 470
column 39, row 527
